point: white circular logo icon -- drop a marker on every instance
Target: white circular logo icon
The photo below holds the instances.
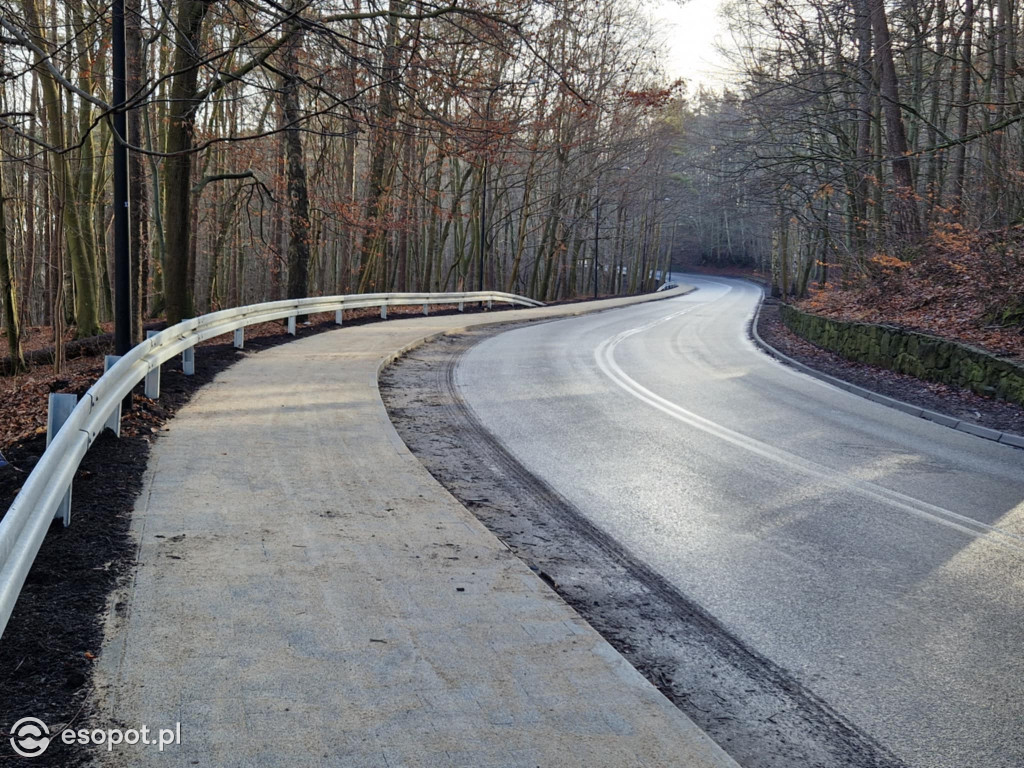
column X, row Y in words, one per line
column 30, row 737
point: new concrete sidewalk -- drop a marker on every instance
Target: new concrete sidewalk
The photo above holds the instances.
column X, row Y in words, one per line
column 307, row 595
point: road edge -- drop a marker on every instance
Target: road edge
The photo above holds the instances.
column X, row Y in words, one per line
column 945, row 420
column 642, row 298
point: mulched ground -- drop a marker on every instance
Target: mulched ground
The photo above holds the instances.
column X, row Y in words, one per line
column 48, row 647
column 961, row 403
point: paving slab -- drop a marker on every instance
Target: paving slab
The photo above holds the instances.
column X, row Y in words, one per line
column 306, row 594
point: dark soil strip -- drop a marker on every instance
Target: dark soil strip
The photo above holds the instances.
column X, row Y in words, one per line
column 47, row 648
column 94, row 345
column 961, row 403
column 747, row 704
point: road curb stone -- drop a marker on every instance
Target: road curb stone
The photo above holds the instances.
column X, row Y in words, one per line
column 945, row 420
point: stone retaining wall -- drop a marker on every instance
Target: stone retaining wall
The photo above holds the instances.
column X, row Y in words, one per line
column 918, row 354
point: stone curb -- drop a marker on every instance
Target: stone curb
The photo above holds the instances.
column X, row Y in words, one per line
column 1005, row 438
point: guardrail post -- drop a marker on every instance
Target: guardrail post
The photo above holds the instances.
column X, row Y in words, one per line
column 383, row 311
column 426, row 309
column 188, row 361
column 460, row 306
column 58, row 410
column 337, row 317
column 239, row 338
column 113, row 423
column 490, row 304
column 152, row 386
column 291, row 325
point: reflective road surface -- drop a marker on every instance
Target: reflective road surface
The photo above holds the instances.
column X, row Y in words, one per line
column 877, row 557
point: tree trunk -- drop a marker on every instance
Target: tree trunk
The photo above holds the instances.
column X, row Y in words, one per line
column 9, row 291
column 864, row 120
column 298, row 191
column 138, row 189
column 907, row 227
column 178, row 166
column 966, row 75
column 372, row 270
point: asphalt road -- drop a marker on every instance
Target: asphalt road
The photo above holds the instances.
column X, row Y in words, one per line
column 875, row 556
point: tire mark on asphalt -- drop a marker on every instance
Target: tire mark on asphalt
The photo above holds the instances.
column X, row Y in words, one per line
column 752, row 707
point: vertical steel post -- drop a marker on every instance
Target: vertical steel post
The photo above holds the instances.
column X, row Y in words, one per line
column 113, row 422
column 152, row 386
column 58, row 410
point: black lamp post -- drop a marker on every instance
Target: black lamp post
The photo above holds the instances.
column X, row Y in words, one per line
column 122, row 230
column 597, row 228
column 483, row 191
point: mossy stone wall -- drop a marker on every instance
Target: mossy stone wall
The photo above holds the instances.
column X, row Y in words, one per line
column 918, row 354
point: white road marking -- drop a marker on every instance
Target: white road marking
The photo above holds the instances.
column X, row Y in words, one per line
column 604, row 355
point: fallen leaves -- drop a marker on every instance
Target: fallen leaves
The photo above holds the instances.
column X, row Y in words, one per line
column 967, row 286
column 23, row 398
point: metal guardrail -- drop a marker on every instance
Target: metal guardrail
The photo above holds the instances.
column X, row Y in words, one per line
column 24, row 527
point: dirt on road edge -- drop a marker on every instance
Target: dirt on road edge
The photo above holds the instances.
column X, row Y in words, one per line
column 748, row 705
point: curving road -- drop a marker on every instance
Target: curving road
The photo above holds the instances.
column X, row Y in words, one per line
column 877, row 557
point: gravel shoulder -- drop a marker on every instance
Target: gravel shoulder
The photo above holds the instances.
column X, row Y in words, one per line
column 748, row 705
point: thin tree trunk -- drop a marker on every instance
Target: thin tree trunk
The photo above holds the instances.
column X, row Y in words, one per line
column 372, row 270
column 966, row 75
column 864, row 120
column 298, row 191
column 9, row 290
column 904, row 205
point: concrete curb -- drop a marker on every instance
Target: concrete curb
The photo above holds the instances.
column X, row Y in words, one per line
column 1005, row 438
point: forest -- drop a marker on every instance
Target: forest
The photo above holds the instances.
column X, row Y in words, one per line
column 866, row 154
column 310, row 148
column 870, row 155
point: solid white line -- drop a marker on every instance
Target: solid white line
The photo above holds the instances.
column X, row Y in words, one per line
column 604, row 355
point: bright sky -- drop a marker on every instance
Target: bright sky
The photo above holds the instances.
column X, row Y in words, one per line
column 691, row 30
